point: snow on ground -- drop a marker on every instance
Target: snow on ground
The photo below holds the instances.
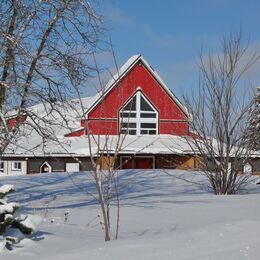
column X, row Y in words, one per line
column 162, row 217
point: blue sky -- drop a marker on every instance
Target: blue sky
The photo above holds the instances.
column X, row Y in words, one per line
column 171, row 34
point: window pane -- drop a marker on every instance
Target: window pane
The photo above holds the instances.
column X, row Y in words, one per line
column 131, row 105
column 128, row 125
column 148, row 125
column 148, row 115
column 144, row 132
column 152, row 132
column 142, row 121
column 128, row 131
column 132, row 132
column 145, row 106
column 127, row 115
column 16, row 165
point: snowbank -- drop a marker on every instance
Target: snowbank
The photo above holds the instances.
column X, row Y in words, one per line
column 164, row 215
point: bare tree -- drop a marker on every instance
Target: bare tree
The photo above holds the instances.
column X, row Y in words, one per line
column 45, row 46
column 219, row 111
column 104, row 151
column 46, row 56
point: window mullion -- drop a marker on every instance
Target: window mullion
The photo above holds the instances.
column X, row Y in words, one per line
column 130, row 117
column 138, row 116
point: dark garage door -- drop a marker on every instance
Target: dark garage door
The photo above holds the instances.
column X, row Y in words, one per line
column 137, row 163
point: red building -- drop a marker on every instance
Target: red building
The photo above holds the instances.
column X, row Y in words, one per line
column 137, row 102
column 135, row 122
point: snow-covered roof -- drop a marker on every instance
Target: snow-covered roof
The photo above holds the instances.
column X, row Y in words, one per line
column 46, row 125
column 55, row 120
column 77, row 104
column 29, row 141
column 79, row 146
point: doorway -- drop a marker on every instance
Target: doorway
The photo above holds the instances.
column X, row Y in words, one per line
column 45, row 168
column 138, row 162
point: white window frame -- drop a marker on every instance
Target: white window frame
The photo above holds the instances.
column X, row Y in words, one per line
column 15, row 164
column 138, row 120
column 48, row 165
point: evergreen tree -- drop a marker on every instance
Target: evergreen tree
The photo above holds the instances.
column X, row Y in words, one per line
column 252, row 137
column 13, row 227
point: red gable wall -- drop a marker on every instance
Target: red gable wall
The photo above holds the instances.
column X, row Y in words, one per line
column 104, row 116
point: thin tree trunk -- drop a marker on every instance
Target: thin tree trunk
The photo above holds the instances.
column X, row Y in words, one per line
column 103, row 210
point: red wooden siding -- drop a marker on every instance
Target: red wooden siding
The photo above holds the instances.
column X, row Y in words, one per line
column 80, row 132
column 174, row 128
column 103, row 127
column 138, row 76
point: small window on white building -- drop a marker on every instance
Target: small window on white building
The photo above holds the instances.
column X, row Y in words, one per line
column 16, row 166
column 2, row 166
column 138, row 117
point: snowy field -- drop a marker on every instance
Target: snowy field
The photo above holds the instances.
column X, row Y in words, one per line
column 162, row 217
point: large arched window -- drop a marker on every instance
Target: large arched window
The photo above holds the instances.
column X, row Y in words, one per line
column 138, row 117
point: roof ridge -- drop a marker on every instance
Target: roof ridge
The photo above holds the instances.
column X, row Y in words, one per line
column 121, row 73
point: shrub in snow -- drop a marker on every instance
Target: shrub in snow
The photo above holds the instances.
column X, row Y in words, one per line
column 13, row 228
column 66, row 216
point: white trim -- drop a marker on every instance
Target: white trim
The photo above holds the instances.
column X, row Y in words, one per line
column 115, row 79
column 138, row 120
column 16, row 168
column 161, row 82
column 48, row 165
